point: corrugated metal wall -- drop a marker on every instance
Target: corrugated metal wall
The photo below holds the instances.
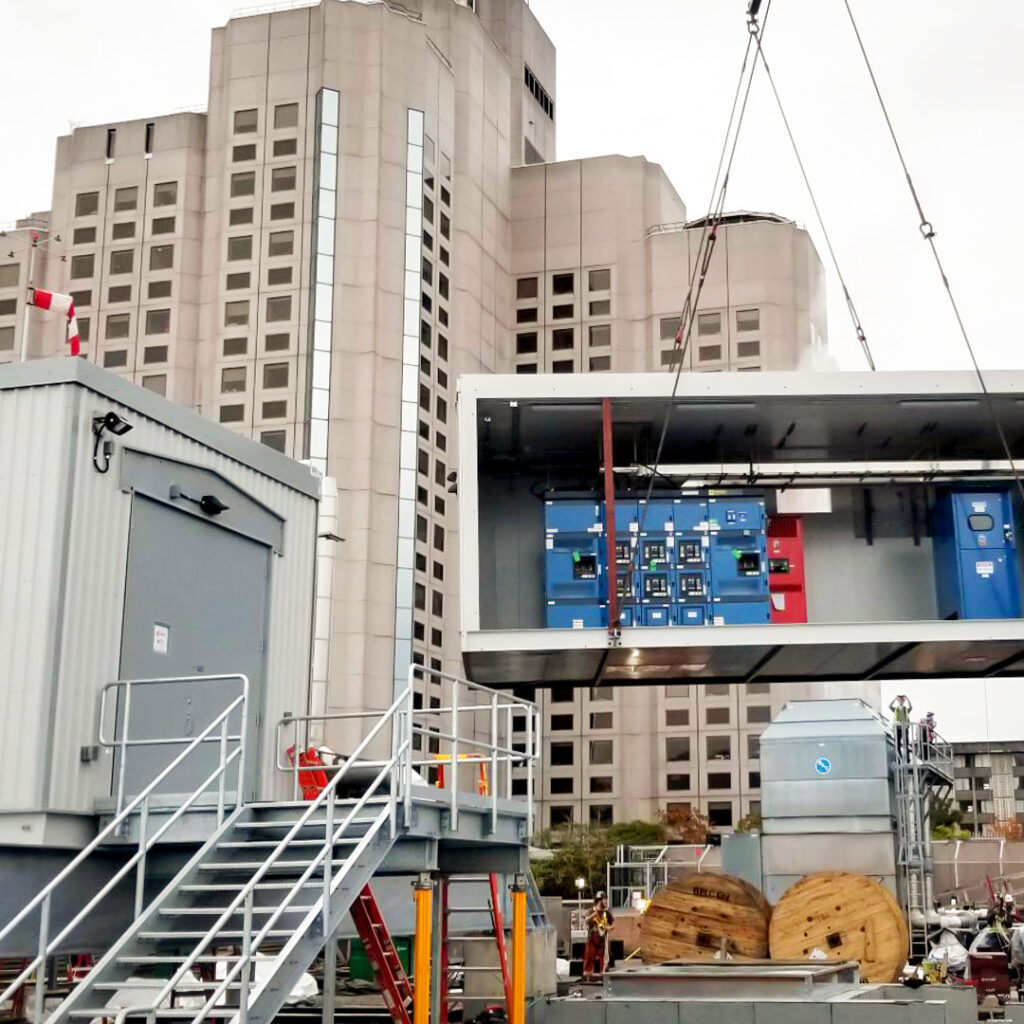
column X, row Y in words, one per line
column 44, row 725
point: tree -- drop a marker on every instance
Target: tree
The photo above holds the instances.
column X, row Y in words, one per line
column 576, row 852
column 637, row 833
column 749, row 823
column 685, row 825
column 1008, row 828
column 946, row 820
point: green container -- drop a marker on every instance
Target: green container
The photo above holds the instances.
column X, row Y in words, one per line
column 359, row 966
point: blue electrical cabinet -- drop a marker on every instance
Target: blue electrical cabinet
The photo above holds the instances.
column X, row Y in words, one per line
column 574, row 558
column 737, row 529
column 976, row 555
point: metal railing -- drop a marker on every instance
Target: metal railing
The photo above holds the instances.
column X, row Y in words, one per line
column 462, row 748
column 215, row 732
column 645, row 869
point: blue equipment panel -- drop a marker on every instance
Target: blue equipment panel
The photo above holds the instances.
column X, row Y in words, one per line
column 690, row 614
column 656, row 615
column 976, row 574
column 575, row 615
column 740, row 613
column 739, row 561
column 574, row 564
column 691, row 587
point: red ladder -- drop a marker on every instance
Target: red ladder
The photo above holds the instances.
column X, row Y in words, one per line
column 387, row 966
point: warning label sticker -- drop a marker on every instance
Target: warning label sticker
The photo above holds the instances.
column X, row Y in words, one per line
column 984, row 568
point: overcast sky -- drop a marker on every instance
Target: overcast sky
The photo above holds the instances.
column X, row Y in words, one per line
column 656, row 77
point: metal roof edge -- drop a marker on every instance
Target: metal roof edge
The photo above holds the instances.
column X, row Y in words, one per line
column 69, row 370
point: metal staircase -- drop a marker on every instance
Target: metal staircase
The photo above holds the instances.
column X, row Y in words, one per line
column 232, row 933
column 923, row 768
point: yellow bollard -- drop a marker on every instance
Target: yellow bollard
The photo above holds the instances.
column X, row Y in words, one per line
column 424, row 892
column 517, row 1011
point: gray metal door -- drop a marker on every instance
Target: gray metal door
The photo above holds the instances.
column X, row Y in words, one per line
column 195, row 604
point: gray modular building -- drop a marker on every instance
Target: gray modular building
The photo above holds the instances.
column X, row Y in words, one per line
column 137, row 540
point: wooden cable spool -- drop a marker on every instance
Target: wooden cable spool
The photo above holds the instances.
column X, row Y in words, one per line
column 698, row 915
column 843, row 917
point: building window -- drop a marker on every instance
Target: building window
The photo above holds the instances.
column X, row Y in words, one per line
column 709, row 353
column 601, row 307
column 275, row 375
column 561, row 785
column 720, row 814
column 243, row 183
column 115, row 358
column 709, row 323
column 562, row 312
column 240, row 215
column 83, row 236
column 235, row 281
column 601, row 815
column 7, row 339
column 758, row 688
column 716, row 716
column 282, row 211
column 118, row 326
column 232, row 413
column 601, row 751
column 161, row 257
column 601, row 720
column 157, row 383
column 677, row 781
column 240, row 247
column 601, row 784
column 246, row 121
column 748, row 349
column 274, row 410
column 677, row 716
column 562, row 723
column 279, row 275
column 748, row 319
column 120, row 293
column 559, row 816
column 759, row 714
column 123, row 230
column 561, row 754
column 242, row 154
column 719, row 748
column 563, row 338
column 165, row 193
column 753, row 748
column 232, row 379
column 538, row 92
column 158, row 321
column 236, row 346
column 285, row 147
column 600, row 335
column 282, row 179
column 80, row 299
column 8, row 307
column 526, row 316
column 526, row 368
column 526, row 343
column 126, row 199
column 82, row 266
column 677, row 748
column 84, row 328
column 562, row 695
column 286, row 115
column 236, row 314
column 279, row 307
column 562, row 366
column 155, row 354
column 275, row 439
column 281, row 243
column 163, row 226
column 719, row 780
column 563, row 284
column 87, row 204
column 677, row 690
column 122, row 261
column 669, row 328
column 754, row 780
column 598, row 363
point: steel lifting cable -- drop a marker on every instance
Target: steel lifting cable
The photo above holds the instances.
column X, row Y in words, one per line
column 858, row 328
column 698, row 274
column 928, row 233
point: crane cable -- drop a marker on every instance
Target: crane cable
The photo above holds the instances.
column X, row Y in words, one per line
column 928, row 233
column 698, row 274
column 858, row 328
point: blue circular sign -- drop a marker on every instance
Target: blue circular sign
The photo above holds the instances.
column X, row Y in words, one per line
column 823, row 766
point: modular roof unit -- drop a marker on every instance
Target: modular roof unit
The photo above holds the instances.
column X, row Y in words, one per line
column 774, row 431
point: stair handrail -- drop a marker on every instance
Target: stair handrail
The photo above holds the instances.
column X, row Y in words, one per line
column 245, row 894
column 43, row 897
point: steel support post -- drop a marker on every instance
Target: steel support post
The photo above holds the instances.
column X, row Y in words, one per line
column 517, row 1011
column 422, row 941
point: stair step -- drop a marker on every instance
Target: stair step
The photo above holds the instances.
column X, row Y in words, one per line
column 182, row 986
column 216, row 911
column 254, row 865
column 221, row 936
column 166, row 1013
column 237, row 886
column 319, row 823
column 146, row 961
column 270, row 844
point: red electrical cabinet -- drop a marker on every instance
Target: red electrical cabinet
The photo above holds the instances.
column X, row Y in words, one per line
column 787, row 581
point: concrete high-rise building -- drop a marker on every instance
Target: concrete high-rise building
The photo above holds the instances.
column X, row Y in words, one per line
column 369, row 207
column 989, row 780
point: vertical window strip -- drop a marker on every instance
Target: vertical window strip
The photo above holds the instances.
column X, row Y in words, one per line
column 404, row 587
column 321, row 298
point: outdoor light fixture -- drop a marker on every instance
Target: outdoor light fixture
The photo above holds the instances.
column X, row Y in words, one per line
column 581, row 884
column 100, row 425
column 209, row 503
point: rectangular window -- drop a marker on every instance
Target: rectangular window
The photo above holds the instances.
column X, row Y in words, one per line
column 562, row 312
column 710, row 353
column 275, row 375
column 709, row 323
column 236, row 346
column 232, row 413
column 276, row 343
column 561, row 786
column 232, row 379
column 599, row 280
column 561, row 754
column 246, row 121
column 600, row 335
column 748, row 349
column 670, row 327
column 243, row 183
column 563, row 284
column 562, row 366
column 526, row 368
column 599, row 363
column 161, row 257
column 282, row 211
column 526, row 316
column 279, row 307
column 155, row 354
column 126, row 199
column 122, row 261
column 719, row 748
column 286, row 115
column 240, row 215
column 240, row 247
column 446, row 226
column 120, row 293
column 526, row 343
column 157, row 383
column 115, row 358
column 562, row 723
column 754, row 780
column 601, row 720
column 285, row 147
column 677, row 748
column 242, row 154
column 275, row 410
column 126, row 229
column 748, row 319
column 717, row 716
column 753, row 747
column 602, row 693
column 8, row 307
column 600, row 784
column 442, row 286
column 601, row 307
column 677, row 781
column 678, row 690
column 165, row 193
column 235, row 281
column 759, row 714
column 275, row 439
column 436, row 597
column 281, row 243
column 601, row 751
column 81, row 299
column 428, row 209
column 719, row 780
column 84, row 328
column 118, row 325
column 148, row 141
column 559, row 816
column 158, row 321
column 279, row 275
column 442, row 410
column 87, row 204
column 82, row 266
column 563, row 338
column 720, row 814
column 282, row 179
column 236, row 314
column 677, row 716
column 163, row 226
column 84, row 236
column 758, row 688
column 601, row 815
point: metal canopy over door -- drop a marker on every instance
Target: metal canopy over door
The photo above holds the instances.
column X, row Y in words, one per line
column 195, row 604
